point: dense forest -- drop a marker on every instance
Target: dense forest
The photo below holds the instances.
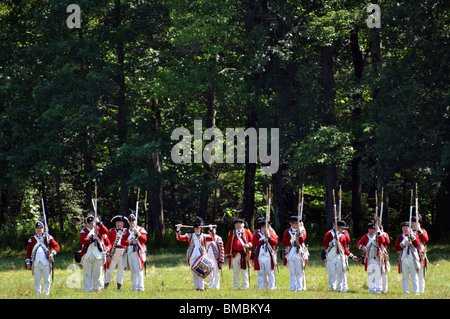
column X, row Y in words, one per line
column 358, row 107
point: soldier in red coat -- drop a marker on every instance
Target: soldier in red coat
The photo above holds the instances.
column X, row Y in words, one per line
column 422, row 250
column 336, row 243
column 136, row 252
column 296, row 253
column 408, row 262
column 94, row 247
column 216, row 252
column 265, row 240
column 372, row 244
column 116, row 256
column 238, row 247
column 41, row 250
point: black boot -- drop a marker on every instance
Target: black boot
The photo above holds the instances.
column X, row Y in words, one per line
column 119, row 286
column 106, row 285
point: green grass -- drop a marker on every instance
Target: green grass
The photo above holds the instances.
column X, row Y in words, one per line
column 168, row 277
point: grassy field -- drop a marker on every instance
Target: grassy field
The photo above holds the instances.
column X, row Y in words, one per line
column 169, row 277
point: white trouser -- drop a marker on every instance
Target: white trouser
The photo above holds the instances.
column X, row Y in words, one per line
column 236, row 265
column 41, row 271
column 137, row 274
column 374, row 280
column 214, row 275
column 93, row 272
column 266, row 275
column 296, row 272
column 384, row 282
column 336, row 272
column 116, row 260
column 409, row 269
column 421, row 279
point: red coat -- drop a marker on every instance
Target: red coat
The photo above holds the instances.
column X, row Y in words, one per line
column 142, row 240
column 234, row 245
column 51, row 245
column 112, row 234
column 364, row 241
column 399, row 248
column 257, row 242
column 344, row 239
column 399, row 240
column 85, row 241
column 423, row 239
column 287, row 241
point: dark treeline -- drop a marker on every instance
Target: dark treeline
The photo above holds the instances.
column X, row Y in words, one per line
column 358, row 107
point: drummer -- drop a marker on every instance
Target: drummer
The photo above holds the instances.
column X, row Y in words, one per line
column 197, row 248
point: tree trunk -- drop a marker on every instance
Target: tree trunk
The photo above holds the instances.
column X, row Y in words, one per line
column 249, row 179
column 205, row 194
column 356, row 162
column 356, row 197
column 58, row 200
column 327, row 83
column 122, row 112
column 156, row 219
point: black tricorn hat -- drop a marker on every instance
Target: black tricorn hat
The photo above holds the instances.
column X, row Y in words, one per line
column 259, row 222
column 238, row 220
column 293, row 219
column 341, row 223
column 413, row 218
column 90, row 219
column 119, row 218
column 371, row 224
column 39, row 224
column 405, row 224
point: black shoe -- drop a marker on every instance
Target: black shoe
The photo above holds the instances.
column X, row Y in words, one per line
column 106, row 285
column 119, row 286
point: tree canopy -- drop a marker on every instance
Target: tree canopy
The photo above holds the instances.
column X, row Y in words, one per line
column 358, row 107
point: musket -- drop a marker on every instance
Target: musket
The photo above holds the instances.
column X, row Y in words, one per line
column 376, row 208
column 94, row 205
column 273, row 252
column 94, row 230
column 300, row 209
column 46, row 237
column 410, row 214
column 340, row 202
column 381, row 209
column 338, row 244
column 417, row 204
column 137, row 206
column 268, row 216
column 95, row 209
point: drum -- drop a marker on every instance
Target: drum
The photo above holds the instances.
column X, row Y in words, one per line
column 203, row 266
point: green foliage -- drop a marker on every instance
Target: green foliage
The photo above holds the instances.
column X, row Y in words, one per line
column 75, row 106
